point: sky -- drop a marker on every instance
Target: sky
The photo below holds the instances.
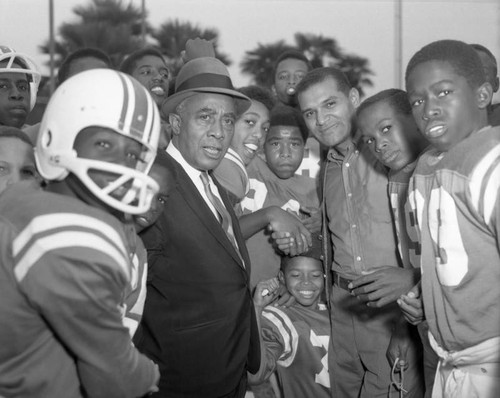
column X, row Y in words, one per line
column 364, row 28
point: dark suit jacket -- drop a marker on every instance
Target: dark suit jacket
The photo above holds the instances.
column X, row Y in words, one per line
column 199, row 322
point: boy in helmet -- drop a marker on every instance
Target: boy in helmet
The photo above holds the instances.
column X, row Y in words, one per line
column 65, row 266
column 19, row 80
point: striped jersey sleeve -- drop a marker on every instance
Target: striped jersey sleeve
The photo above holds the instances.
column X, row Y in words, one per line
column 287, row 333
column 136, row 297
column 66, row 231
column 485, row 186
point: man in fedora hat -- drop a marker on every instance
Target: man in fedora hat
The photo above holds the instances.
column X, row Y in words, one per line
column 199, row 324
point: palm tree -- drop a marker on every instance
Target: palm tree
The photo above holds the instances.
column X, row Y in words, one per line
column 108, row 25
column 357, row 71
column 173, row 35
column 260, row 62
column 320, row 50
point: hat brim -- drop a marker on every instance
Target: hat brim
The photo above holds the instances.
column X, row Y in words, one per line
column 169, row 105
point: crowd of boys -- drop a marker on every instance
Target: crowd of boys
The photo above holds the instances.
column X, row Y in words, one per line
column 175, row 237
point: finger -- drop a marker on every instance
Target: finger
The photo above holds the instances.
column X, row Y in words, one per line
column 307, row 237
column 304, row 245
column 379, row 303
column 280, row 234
column 362, row 280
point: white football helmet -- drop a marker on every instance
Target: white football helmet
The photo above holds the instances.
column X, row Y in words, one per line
column 109, row 99
column 23, row 64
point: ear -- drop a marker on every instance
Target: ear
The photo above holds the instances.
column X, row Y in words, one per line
column 281, row 277
column 354, row 97
column 484, row 95
column 496, row 85
column 175, row 122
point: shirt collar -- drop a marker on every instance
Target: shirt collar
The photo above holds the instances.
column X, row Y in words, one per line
column 193, row 173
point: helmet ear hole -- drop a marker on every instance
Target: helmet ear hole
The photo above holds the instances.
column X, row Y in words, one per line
column 46, row 139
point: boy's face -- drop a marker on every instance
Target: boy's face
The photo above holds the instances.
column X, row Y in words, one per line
column 153, row 74
column 203, row 131
column 284, row 150
column 98, row 143
column 250, row 131
column 392, row 136
column 303, row 277
column 328, row 112
column 445, row 107
column 14, row 99
column 165, row 180
column 289, row 73
column 17, row 162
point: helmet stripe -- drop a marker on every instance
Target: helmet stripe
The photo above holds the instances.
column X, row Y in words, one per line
column 150, row 119
column 125, row 104
column 141, row 113
column 134, row 116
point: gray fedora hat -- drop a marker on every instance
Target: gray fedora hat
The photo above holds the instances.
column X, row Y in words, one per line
column 204, row 75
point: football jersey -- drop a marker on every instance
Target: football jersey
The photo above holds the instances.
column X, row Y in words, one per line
column 136, row 293
column 64, row 271
column 406, row 229
column 296, row 342
column 232, row 175
column 455, row 200
column 311, row 162
column 266, row 189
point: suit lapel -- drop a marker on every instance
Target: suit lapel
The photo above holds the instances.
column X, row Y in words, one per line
column 196, row 202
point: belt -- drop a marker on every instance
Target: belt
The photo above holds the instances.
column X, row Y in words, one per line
column 341, row 281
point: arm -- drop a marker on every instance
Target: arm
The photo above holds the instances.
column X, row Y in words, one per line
column 275, row 220
column 81, row 299
column 270, row 348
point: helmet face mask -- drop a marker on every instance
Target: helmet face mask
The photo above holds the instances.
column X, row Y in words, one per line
column 103, row 100
column 14, row 62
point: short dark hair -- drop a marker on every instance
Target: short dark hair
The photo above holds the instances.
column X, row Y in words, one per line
column 86, row 52
column 259, row 94
column 461, row 56
column 291, row 54
column 14, row 132
column 483, row 49
column 315, row 251
column 130, row 62
column 397, row 99
column 319, row 75
column 283, row 115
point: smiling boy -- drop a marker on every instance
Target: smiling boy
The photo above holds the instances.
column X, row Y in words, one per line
column 295, row 339
column 454, row 194
column 250, row 131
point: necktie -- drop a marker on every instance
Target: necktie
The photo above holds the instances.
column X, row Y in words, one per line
column 224, row 217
